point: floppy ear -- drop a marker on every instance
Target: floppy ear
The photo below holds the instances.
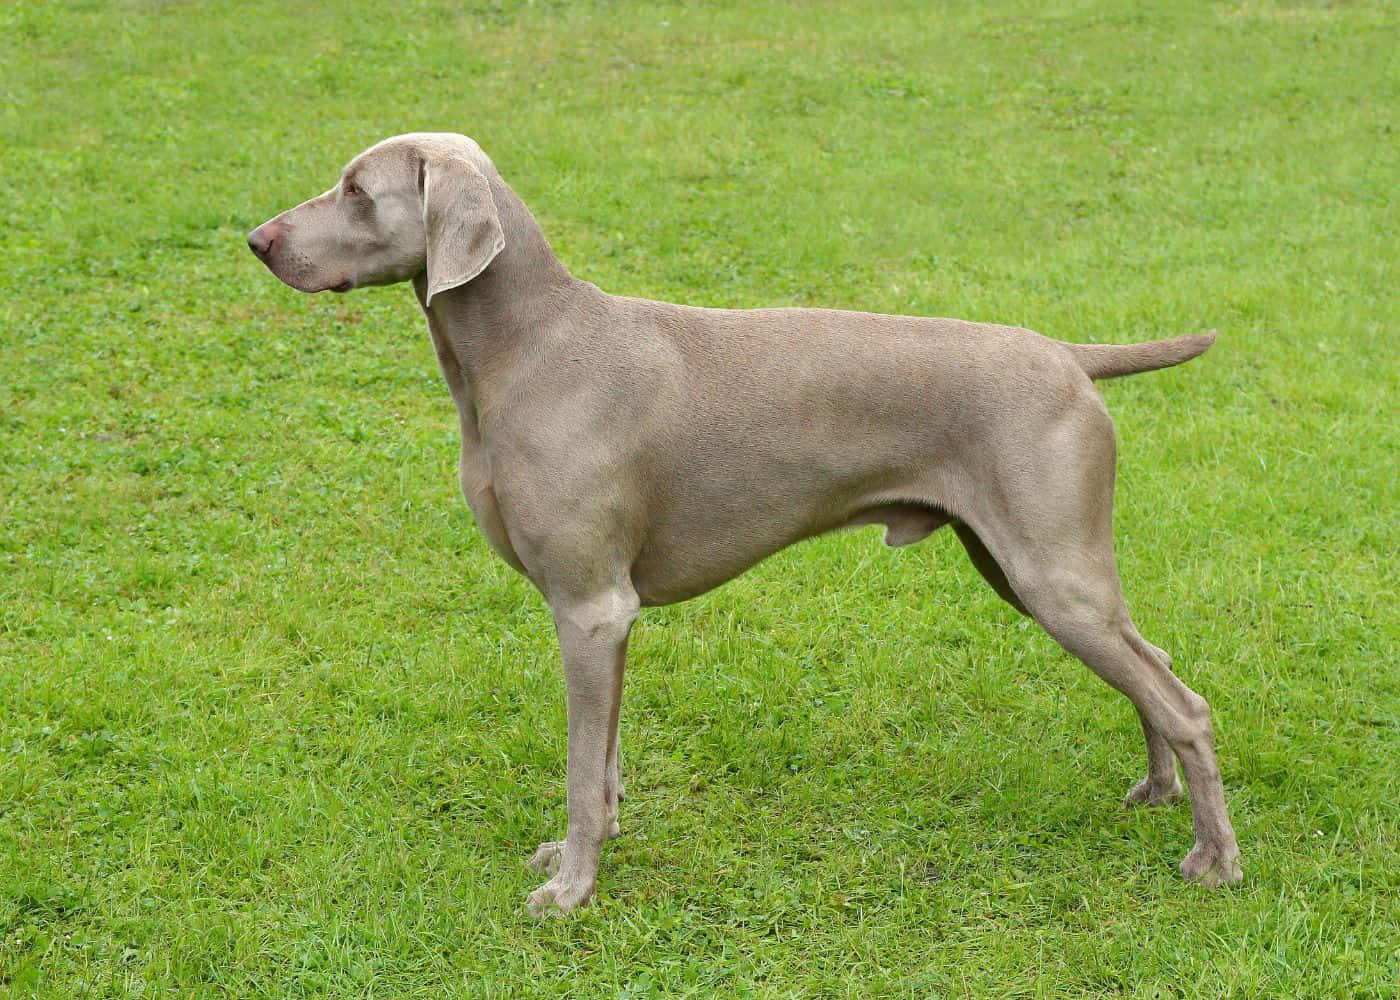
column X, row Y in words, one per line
column 459, row 217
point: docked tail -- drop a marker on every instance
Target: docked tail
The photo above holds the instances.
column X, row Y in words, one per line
column 1113, row 360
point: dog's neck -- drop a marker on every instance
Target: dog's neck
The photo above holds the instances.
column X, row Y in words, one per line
column 502, row 312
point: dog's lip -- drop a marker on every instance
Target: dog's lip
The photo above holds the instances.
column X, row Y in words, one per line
column 302, row 284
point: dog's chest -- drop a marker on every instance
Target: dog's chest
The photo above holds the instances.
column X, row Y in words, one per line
column 474, row 468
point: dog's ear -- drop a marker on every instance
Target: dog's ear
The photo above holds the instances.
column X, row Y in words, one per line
column 459, row 217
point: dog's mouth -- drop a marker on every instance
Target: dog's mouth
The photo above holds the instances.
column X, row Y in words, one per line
column 300, row 274
column 303, row 285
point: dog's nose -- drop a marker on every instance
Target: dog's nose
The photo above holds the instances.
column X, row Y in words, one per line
column 260, row 240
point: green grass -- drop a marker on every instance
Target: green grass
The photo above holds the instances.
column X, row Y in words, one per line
column 273, row 720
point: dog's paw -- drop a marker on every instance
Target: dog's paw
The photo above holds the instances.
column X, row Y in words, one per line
column 1213, row 865
column 1149, row 793
column 557, row 897
column 546, row 858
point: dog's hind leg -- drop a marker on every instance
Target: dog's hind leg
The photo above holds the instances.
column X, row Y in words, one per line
column 1051, row 533
column 1090, row 621
column 987, row 566
column 1161, row 786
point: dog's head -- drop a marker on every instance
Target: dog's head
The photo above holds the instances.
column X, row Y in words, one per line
column 414, row 204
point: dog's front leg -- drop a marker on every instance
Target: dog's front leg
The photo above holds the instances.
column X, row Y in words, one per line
column 593, row 639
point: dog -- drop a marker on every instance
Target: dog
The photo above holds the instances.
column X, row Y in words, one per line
column 621, row 452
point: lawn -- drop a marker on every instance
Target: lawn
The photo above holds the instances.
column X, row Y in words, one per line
column 274, row 722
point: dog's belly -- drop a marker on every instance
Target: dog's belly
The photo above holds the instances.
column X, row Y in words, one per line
column 674, row 568
column 678, row 566
column 732, row 487
column 671, row 570
column 729, row 502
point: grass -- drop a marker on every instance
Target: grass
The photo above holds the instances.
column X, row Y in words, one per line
column 273, row 720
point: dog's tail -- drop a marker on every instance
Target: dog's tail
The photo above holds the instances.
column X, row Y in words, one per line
column 1114, row 360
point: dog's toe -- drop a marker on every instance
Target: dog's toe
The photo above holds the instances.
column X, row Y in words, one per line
column 556, row 898
column 1213, row 865
column 545, row 860
column 1151, row 793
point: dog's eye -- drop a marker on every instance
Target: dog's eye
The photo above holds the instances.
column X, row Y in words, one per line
column 352, row 191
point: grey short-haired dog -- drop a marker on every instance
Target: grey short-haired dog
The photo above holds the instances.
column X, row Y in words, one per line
column 622, row 452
